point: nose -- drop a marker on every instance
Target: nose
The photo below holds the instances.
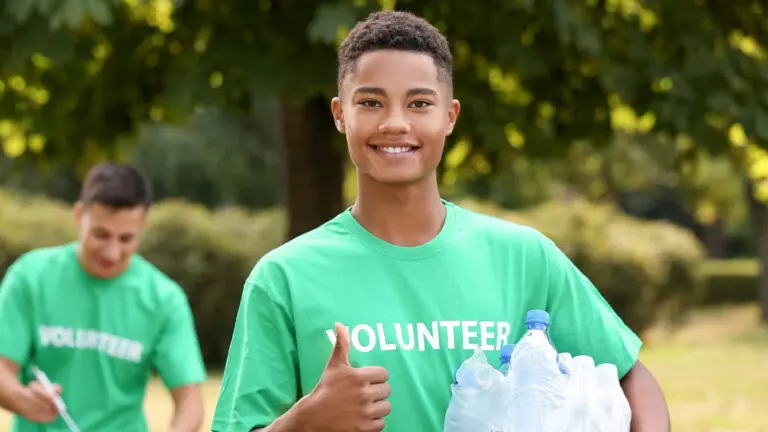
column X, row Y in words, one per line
column 112, row 252
column 394, row 122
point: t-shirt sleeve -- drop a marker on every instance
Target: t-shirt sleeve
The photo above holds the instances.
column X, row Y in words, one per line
column 16, row 326
column 177, row 357
column 582, row 321
column 260, row 378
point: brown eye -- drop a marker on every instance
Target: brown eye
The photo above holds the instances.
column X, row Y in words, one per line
column 370, row 103
column 100, row 234
column 421, row 104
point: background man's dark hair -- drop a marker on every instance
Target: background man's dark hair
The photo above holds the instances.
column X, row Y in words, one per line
column 399, row 31
column 117, row 186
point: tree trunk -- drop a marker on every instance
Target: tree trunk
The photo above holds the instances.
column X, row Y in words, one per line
column 714, row 239
column 758, row 213
column 315, row 167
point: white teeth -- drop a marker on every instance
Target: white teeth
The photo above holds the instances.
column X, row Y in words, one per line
column 395, row 149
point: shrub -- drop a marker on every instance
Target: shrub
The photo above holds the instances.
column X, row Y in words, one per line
column 188, row 244
column 731, row 281
column 647, row 271
column 31, row 222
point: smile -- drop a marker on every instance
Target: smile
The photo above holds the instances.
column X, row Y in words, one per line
column 394, row 149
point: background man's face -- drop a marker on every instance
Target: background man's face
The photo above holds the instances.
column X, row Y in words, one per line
column 108, row 237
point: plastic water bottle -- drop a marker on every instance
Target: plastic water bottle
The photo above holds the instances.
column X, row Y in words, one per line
column 505, row 357
column 537, row 383
column 538, row 321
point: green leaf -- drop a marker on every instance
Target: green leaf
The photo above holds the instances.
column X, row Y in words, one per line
column 70, row 14
column 99, row 11
column 21, row 10
column 46, row 6
column 329, row 19
column 761, row 125
column 36, row 37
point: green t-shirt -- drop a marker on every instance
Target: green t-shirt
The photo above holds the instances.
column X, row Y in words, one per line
column 417, row 311
column 99, row 339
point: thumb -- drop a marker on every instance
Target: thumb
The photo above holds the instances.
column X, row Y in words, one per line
column 340, row 354
column 57, row 388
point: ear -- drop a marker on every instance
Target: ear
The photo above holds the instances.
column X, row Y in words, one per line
column 78, row 210
column 338, row 114
column 453, row 116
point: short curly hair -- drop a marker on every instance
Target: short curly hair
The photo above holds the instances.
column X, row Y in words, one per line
column 395, row 30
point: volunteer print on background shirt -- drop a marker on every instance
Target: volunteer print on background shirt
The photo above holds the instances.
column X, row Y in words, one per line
column 100, row 339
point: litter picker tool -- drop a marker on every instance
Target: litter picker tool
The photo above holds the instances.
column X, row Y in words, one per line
column 60, row 406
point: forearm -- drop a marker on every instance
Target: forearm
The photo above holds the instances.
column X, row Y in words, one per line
column 291, row 421
column 649, row 410
column 10, row 387
column 186, row 421
column 188, row 413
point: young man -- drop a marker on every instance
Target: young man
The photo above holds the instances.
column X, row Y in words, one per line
column 419, row 282
column 98, row 320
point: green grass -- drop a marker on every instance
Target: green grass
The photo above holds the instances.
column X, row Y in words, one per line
column 714, row 372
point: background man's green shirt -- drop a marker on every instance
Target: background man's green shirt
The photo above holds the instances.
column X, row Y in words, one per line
column 99, row 339
column 417, row 311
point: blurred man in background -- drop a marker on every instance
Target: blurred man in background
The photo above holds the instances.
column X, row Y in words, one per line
column 98, row 319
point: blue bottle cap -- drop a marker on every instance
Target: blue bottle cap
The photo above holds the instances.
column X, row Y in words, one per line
column 506, row 352
column 537, row 316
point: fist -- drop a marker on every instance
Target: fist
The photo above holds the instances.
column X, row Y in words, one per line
column 37, row 405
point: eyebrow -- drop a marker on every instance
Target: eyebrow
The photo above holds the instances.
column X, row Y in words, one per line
column 381, row 92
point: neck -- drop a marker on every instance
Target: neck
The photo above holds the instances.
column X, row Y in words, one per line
column 404, row 214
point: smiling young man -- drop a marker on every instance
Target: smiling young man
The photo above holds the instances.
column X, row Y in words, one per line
column 417, row 282
column 98, row 320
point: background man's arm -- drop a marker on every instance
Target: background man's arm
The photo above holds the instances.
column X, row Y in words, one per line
column 649, row 410
column 188, row 408
column 179, row 363
column 32, row 402
column 15, row 334
column 11, row 390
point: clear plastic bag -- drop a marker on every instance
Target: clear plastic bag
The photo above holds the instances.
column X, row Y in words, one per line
column 588, row 399
column 542, row 391
column 476, row 393
column 596, row 402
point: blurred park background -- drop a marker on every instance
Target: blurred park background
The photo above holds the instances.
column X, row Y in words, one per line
column 632, row 132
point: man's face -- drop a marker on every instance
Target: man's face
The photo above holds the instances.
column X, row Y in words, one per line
column 396, row 114
column 108, row 237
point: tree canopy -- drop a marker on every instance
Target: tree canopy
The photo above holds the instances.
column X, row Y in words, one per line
column 78, row 77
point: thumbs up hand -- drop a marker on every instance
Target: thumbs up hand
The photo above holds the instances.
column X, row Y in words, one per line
column 340, row 354
column 348, row 399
